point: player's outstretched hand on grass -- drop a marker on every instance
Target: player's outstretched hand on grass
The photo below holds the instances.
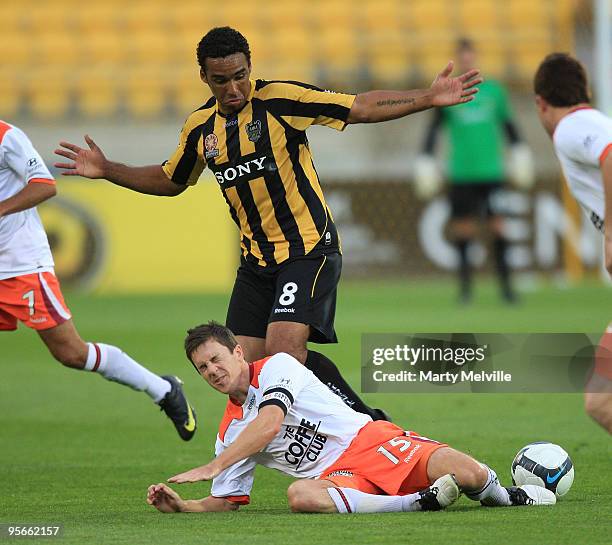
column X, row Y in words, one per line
column 164, row 499
column 203, row 473
column 85, row 162
column 448, row 91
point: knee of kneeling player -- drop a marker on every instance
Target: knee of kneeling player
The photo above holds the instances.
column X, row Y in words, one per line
column 472, row 476
column 300, row 498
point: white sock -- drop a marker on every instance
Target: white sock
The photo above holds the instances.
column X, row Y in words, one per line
column 349, row 500
column 114, row 364
column 492, row 493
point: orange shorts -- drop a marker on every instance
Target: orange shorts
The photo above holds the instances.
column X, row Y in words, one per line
column 384, row 459
column 34, row 299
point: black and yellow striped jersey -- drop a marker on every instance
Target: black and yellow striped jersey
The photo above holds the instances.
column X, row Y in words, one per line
column 261, row 159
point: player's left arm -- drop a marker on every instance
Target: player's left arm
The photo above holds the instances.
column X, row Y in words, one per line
column 36, row 192
column 375, row 106
column 606, row 176
column 254, row 438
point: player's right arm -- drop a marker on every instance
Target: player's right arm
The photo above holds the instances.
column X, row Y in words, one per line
column 166, row 500
column 92, row 163
column 30, row 196
column 34, row 180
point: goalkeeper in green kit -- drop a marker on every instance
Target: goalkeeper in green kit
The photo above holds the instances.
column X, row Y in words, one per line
column 476, row 170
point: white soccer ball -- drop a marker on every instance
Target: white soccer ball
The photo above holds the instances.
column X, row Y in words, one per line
column 543, row 464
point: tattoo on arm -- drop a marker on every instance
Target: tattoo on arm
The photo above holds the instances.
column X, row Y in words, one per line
column 392, row 102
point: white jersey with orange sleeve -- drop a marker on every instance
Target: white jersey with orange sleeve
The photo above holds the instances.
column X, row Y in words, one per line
column 318, row 427
column 583, row 139
column 24, row 248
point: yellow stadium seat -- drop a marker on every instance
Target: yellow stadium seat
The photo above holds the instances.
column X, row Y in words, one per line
column 11, row 93
column 48, row 92
column 564, row 16
column 145, row 92
column 194, row 17
column 187, row 91
column 44, row 16
column 58, row 48
column 95, row 18
column 294, row 43
column 97, row 93
column 11, row 15
column 389, row 57
column 527, row 52
column 278, row 16
column 17, row 49
column 381, row 15
column 150, row 47
column 521, row 14
column 287, row 69
column 478, row 15
column 105, row 48
column 338, row 50
column 144, row 15
column 430, row 15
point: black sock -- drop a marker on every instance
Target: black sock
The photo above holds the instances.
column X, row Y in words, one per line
column 503, row 270
column 327, row 372
column 465, row 274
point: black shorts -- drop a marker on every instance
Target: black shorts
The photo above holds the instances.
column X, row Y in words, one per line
column 473, row 200
column 302, row 290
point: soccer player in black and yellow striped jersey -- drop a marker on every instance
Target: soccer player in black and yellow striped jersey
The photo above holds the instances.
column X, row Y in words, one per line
column 252, row 135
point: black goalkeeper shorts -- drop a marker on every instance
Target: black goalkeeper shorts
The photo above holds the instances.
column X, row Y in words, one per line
column 301, row 290
column 473, row 200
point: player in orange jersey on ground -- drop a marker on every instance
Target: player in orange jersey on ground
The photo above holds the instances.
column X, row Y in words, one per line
column 281, row 416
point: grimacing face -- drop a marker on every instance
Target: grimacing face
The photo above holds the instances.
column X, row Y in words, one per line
column 219, row 366
column 228, row 79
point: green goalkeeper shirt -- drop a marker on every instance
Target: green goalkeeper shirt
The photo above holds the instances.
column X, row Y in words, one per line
column 475, row 132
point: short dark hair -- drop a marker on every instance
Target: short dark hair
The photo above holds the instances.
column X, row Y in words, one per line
column 200, row 334
column 561, row 80
column 465, row 44
column 221, row 42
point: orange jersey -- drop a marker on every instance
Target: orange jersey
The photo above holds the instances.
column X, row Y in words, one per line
column 318, row 427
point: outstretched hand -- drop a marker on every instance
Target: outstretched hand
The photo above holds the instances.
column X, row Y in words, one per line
column 203, row 473
column 85, row 162
column 164, row 499
column 448, row 91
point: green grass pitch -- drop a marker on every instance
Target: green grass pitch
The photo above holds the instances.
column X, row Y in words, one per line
column 80, row 451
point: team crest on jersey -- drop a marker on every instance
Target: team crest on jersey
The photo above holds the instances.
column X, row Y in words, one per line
column 210, row 143
column 253, row 130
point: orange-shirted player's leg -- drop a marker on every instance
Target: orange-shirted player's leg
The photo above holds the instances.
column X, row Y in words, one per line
column 598, row 391
column 37, row 301
column 311, row 496
column 325, row 496
column 417, row 473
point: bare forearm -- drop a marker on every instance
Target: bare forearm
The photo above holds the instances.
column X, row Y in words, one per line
column 255, row 437
column 376, row 106
column 209, row 504
column 151, row 180
column 30, row 196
